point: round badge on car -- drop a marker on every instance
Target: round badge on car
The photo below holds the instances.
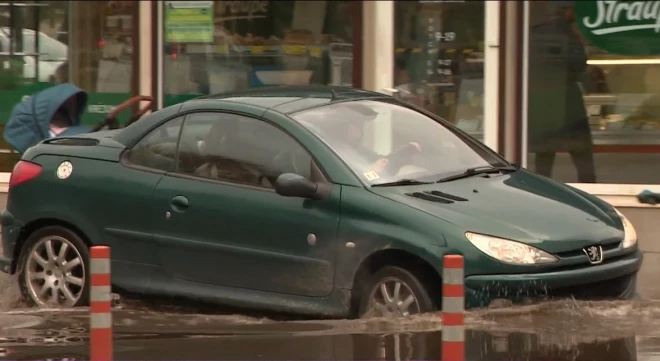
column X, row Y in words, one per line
column 64, row 170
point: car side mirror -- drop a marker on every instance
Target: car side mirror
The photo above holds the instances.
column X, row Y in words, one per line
column 295, row 185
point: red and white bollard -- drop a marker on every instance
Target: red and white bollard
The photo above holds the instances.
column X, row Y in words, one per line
column 100, row 304
column 453, row 308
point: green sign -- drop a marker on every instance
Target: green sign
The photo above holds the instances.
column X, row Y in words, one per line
column 621, row 27
column 189, row 21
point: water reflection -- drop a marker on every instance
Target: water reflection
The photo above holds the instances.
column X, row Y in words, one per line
column 480, row 345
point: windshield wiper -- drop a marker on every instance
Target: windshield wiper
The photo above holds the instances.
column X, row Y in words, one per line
column 479, row 170
column 401, row 182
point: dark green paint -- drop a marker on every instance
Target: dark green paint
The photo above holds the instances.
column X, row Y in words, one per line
column 620, row 27
column 238, row 245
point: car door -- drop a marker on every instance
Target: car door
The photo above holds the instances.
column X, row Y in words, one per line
column 223, row 223
column 124, row 205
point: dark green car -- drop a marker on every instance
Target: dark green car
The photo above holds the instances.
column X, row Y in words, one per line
column 328, row 202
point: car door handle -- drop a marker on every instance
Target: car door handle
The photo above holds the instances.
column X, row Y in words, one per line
column 179, row 203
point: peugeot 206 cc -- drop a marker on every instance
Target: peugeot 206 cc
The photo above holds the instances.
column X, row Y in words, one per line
column 321, row 201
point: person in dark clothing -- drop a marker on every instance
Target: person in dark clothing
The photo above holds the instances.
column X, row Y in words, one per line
column 558, row 121
column 352, row 133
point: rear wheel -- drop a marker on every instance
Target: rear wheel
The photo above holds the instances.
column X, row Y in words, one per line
column 53, row 268
column 394, row 292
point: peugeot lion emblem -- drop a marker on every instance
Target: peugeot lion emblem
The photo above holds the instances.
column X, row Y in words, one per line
column 594, row 253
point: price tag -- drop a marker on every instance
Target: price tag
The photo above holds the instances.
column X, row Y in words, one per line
column 316, row 51
column 257, row 49
column 294, row 49
column 223, row 49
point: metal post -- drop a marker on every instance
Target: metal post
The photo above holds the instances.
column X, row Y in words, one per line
column 36, row 43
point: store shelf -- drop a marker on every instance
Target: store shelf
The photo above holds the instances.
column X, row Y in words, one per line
column 626, row 137
column 257, row 50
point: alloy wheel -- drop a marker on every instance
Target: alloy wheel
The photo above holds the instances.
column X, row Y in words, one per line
column 393, row 297
column 55, row 272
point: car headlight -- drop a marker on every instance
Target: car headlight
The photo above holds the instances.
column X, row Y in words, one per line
column 508, row 251
column 629, row 233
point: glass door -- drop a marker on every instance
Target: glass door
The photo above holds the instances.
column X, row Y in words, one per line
column 593, row 109
column 217, row 47
column 439, row 60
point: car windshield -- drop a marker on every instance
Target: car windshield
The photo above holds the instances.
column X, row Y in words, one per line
column 384, row 142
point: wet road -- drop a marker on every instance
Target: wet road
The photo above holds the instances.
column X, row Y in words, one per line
column 555, row 331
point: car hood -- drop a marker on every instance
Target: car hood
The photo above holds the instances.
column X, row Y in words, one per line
column 519, row 206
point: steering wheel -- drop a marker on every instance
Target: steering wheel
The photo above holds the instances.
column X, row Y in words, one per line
column 111, row 119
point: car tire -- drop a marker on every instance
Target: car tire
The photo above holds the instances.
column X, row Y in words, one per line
column 375, row 302
column 63, row 273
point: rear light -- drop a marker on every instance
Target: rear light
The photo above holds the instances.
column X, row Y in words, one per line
column 23, row 172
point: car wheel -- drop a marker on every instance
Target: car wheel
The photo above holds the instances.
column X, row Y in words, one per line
column 394, row 292
column 53, row 268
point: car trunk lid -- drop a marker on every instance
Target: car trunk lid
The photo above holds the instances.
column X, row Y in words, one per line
column 98, row 145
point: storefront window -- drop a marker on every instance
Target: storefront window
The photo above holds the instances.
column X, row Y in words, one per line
column 42, row 43
column 224, row 46
column 439, row 59
column 594, row 91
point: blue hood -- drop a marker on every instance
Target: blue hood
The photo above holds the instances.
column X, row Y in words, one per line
column 29, row 121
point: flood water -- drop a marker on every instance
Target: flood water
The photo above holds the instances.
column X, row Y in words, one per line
column 555, row 331
column 550, row 331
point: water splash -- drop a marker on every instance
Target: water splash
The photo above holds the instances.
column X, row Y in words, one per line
column 10, row 296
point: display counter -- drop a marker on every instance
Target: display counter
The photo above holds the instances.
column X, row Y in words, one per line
column 616, row 119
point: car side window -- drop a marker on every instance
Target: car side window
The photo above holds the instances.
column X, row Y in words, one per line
column 157, row 150
column 239, row 149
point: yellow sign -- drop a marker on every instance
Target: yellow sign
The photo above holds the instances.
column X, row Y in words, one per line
column 294, row 49
column 316, row 51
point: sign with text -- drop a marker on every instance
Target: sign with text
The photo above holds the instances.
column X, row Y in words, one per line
column 189, row 21
column 621, row 27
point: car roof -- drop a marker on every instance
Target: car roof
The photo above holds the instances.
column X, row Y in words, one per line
column 291, row 99
column 282, row 99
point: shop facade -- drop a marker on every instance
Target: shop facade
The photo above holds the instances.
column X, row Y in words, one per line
column 565, row 88
column 572, row 99
column 91, row 44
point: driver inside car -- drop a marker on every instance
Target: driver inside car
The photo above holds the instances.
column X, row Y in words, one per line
column 391, row 163
column 221, row 151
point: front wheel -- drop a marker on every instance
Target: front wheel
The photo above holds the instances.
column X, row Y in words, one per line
column 53, row 268
column 394, row 292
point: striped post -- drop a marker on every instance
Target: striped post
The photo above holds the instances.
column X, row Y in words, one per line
column 100, row 302
column 453, row 307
